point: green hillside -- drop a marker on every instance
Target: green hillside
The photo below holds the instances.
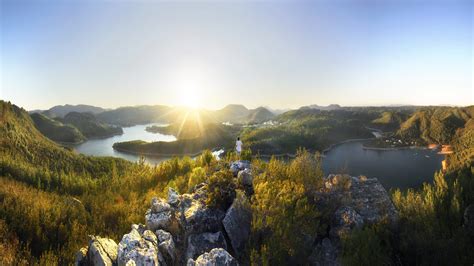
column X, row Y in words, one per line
column 309, row 128
column 435, row 124
column 89, row 126
column 56, row 130
column 389, row 120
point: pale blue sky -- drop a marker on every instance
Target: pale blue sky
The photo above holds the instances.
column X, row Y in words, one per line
column 276, row 53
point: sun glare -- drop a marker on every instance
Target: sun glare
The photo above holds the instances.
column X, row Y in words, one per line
column 190, row 87
column 190, row 97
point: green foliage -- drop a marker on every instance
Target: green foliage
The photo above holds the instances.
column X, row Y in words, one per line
column 367, row 246
column 206, row 159
column 285, row 217
column 221, row 190
column 197, row 176
column 431, row 229
column 246, row 155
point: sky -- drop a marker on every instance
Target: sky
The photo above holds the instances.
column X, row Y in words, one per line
column 282, row 54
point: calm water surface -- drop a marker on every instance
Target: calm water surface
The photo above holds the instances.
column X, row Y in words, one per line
column 103, row 147
column 395, row 168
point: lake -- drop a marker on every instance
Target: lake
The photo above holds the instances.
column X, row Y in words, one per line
column 103, row 147
column 394, row 168
column 405, row 168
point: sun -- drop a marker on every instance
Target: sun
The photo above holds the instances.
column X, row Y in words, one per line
column 190, row 90
column 189, row 96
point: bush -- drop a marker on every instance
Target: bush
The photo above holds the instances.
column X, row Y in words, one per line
column 221, row 190
column 365, row 247
column 197, row 176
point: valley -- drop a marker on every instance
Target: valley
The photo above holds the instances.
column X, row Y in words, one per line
column 81, row 193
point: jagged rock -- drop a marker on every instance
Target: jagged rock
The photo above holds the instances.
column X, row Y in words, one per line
column 365, row 195
column 237, row 222
column 159, row 216
column 324, row 254
column 81, row 257
column 159, row 205
column 101, row 251
column 166, row 246
column 469, row 219
column 237, row 166
column 216, row 257
column 245, row 177
column 173, row 197
column 199, row 243
column 139, row 247
column 345, row 219
column 196, row 217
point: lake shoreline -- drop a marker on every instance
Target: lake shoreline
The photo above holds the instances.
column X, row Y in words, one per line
column 170, row 155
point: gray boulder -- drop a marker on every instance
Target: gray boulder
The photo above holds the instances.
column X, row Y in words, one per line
column 159, row 216
column 199, row 243
column 245, row 177
column 365, row 195
column 345, row 219
column 237, row 222
column 139, row 247
column 215, row 257
column 173, row 197
column 166, row 246
column 101, row 251
column 237, row 166
column 195, row 217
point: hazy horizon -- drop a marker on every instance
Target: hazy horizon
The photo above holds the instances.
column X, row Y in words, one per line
column 208, row 54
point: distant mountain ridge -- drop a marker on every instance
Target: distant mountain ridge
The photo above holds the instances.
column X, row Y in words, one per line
column 330, row 107
column 62, row 110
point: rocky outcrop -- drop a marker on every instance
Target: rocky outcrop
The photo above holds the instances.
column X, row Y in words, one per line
column 205, row 242
column 100, row 252
column 237, row 223
column 355, row 201
column 216, row 257
column 166, row 246
column 366, row 196
column 182, row 229
column 237, row 166
column 345, row 219
column 245, row 177
column 139, row 247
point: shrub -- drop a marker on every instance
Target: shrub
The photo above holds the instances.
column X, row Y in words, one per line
column 197, row 176
column 221, row 190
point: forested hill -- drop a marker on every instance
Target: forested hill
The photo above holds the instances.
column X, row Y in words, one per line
column 27, row 154
column 437, row 124
column 55, row 130
column 90, row 126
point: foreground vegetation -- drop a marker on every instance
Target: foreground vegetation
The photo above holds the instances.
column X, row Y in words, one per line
column 52, row 198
